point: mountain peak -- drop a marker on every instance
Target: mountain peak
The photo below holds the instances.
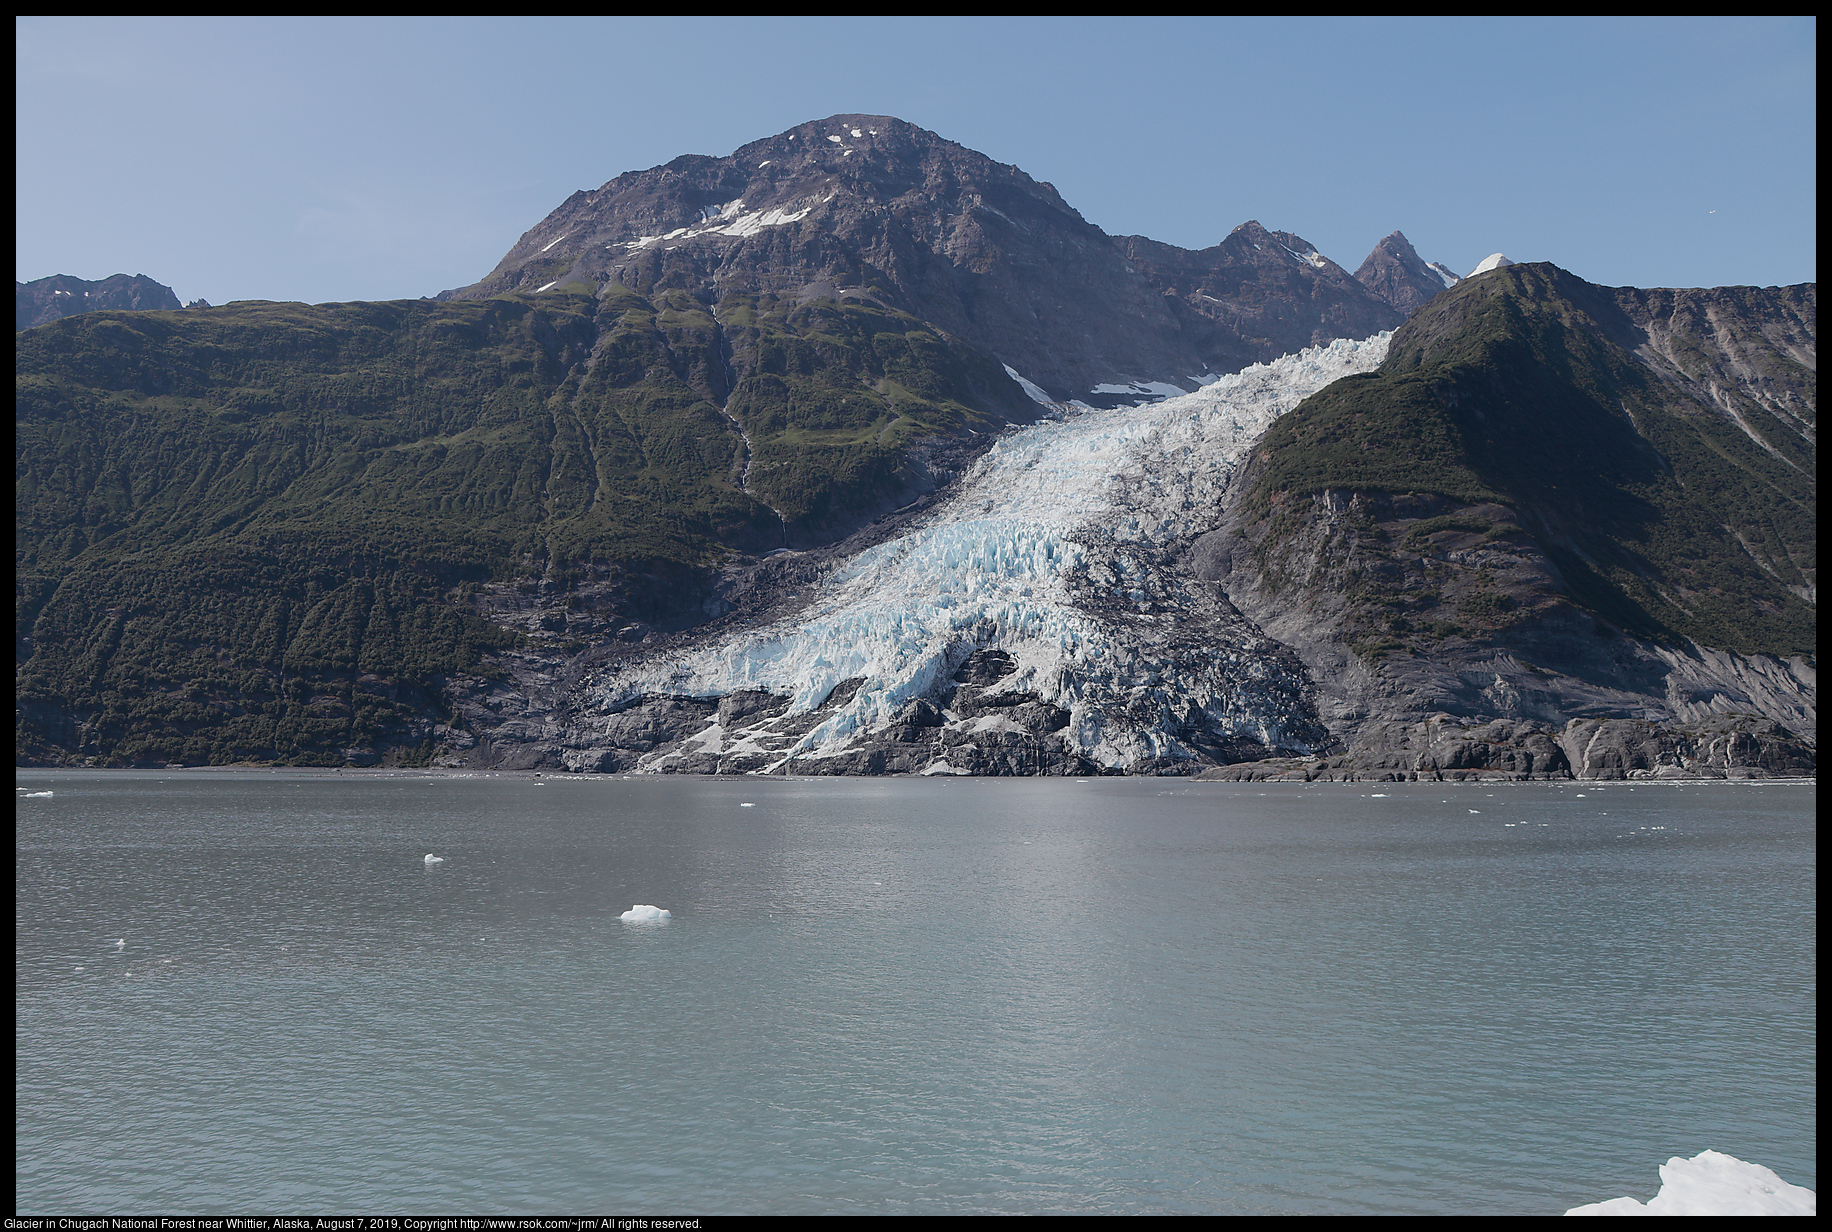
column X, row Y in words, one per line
column 44, row 300
column 1493, row 261
column 1395, row 274
column 872, row 209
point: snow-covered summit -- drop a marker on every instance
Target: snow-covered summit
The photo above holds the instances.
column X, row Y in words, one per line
column 1493, row 261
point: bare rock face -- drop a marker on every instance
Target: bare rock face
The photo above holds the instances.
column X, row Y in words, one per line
column 872, row 209
column 1750, row 353
column 1258, row 294
column 1445, row 748
column 1396, row 275
column 44, row 300
column 1463, row 635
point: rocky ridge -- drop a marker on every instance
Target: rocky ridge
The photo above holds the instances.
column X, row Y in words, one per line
column 1396, row 274
column 873, row 209
column 1426, row 618
column 51, row 299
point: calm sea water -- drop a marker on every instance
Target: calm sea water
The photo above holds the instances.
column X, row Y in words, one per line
column 890, row 996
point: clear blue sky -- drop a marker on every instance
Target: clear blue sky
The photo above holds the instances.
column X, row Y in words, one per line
column 340, row 159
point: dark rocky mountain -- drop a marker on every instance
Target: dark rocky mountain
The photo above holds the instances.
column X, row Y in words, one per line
column 49, row 299
column 871, row 210
column 1563, row 530
column 1537, row 515
column 1396, row 275
column 1257, row 294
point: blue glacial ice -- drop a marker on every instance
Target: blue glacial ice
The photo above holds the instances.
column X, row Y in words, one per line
column 998, row 563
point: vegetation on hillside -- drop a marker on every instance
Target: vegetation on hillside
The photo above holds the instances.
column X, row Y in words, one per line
column 249, row 533
column 1662, row 514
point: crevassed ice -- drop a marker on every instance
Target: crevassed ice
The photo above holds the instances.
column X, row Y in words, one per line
column 988, row 567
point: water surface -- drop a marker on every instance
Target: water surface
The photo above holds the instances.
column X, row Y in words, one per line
column 902, row 996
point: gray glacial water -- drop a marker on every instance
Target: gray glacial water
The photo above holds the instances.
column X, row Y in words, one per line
column 890, row 996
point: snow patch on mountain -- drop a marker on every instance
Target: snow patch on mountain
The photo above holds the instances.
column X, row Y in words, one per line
column 1493, row 261
column 1001, row 564
column 1031, row 390
column 732, row 219
column 1155, row 390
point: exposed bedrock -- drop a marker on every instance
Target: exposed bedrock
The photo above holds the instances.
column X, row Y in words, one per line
column 1446, row 748
column 1440, row 640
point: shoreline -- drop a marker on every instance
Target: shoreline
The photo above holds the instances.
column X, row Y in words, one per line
column 1432, row 778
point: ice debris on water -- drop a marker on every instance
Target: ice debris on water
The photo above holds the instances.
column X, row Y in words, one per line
column 642, row 912
column 1713, row 1183
column 433, row 859
column 994, row 565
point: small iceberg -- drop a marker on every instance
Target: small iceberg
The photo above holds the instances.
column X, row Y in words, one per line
column 643, row 912
column 36, row 795
column 1713, row 1183
column 432, row 859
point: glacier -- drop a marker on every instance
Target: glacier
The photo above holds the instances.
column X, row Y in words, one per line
column 1059, row 537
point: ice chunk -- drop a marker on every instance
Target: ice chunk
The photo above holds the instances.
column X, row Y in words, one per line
column 1713, row 1183
column 645, row 912
column 433, row 859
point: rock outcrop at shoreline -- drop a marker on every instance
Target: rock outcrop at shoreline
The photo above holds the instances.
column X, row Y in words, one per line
column 1445, row 748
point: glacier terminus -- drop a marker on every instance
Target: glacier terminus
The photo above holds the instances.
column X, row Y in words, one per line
column 1049, row 577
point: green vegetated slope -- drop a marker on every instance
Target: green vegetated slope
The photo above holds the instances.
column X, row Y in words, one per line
column 248, row 533
column 1662, row 514
column 830, row 393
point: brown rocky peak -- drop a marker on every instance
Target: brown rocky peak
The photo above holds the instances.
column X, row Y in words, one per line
column 1395, row 274
column 875, row 208
column 49, row 299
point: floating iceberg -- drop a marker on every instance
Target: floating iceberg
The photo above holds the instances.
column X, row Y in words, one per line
column 432, row 859
column 644, row 912
column 1712, row 1183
